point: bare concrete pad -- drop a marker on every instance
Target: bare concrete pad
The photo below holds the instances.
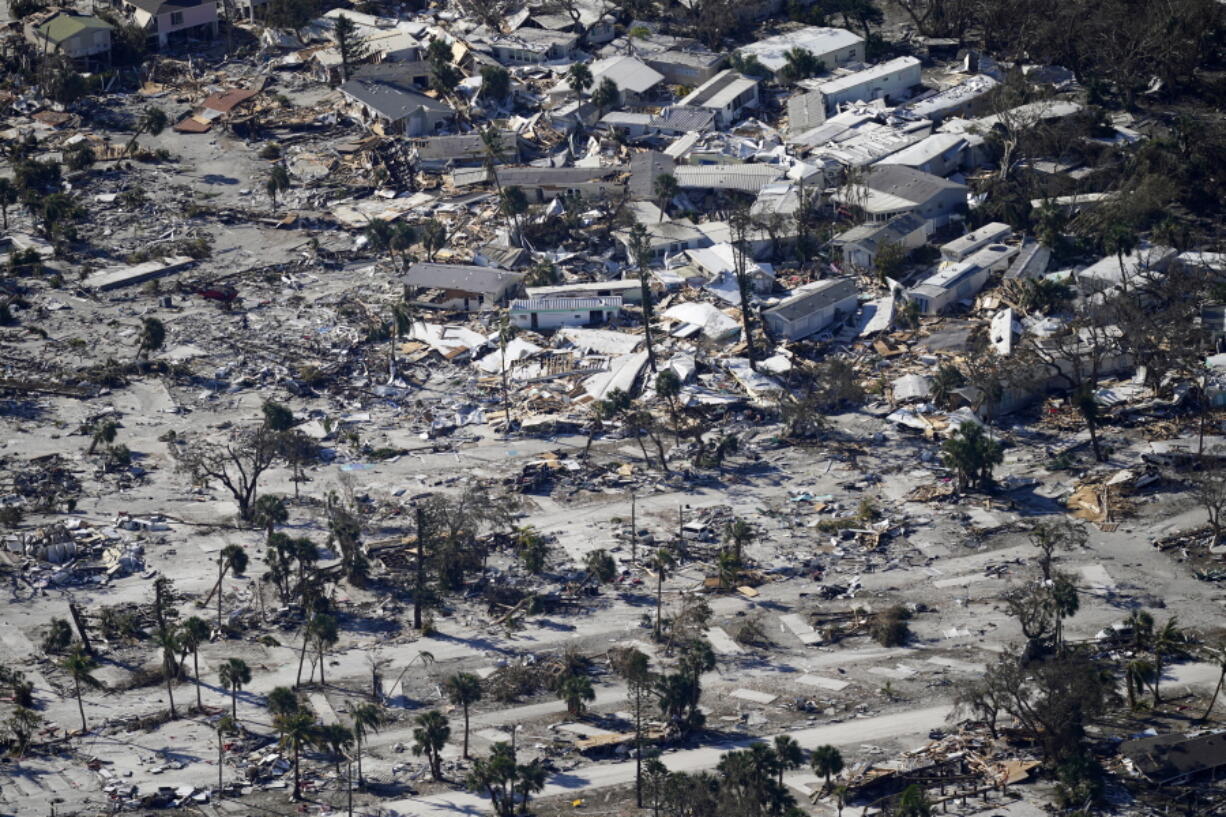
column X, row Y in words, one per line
column 754, row 696
column 832, row 684
column 722, row 642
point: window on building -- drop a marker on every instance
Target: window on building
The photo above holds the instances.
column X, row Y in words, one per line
column 176, row 18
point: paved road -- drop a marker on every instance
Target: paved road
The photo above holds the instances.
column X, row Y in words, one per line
column 588, row 778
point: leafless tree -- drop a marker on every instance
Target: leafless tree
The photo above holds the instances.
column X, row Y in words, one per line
column 237, row 463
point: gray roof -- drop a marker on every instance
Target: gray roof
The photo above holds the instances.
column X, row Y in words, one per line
column 388, row 89
column 826, row 293
column 684, row 118
column 806, row 111
column 873, row 236
column 720, row 89
column 913, row 185
column 645, row 167
column 463, row 146
column 747, row 177
column 532, row 176
column 1162, row 758
column 482, row 280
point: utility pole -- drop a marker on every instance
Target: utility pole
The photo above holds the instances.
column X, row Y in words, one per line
column 420, row 588
column 634, row 530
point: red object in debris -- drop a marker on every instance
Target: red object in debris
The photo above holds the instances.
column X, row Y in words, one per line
column 223, row 294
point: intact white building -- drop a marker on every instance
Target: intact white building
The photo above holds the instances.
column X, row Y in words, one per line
column 554, row 313
column 960, row 281
column 833, row 46
column 891, row 80
column 727, row 93
column 975, row 241
column 812, row 310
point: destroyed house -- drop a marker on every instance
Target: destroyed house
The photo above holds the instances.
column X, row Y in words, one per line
column 555, row 313
column 388, row 100
column 529, row 46
column 460, row 286
column 678, row 119
column 547, row 183
column 812, row 310
column 667, row 238
column 171, row 22
column 450, row 150
column 727, row 94
column 1174, row 758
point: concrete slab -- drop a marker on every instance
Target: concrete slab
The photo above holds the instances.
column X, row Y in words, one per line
column 722, row 643
column 754, row 696
column 955, row 664
column 832, row 684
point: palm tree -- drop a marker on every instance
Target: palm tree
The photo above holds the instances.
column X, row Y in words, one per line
column 78, row 665
column 728, row 568
column 278, row 180
column 152, row 121
column 193, row 632
column 740, row 533
column 513, row 203
column 225, row 727
column 826, row 761
column 463, row 689
column 368, row 718
column 269, row 512
column 429, row 737
column 665, row 187
column 8, row 197
column 1138, row 673
column 232, row 558
column 531, row 780
column 103, row 432
column 661, row 563
column 324, row 633
column 337, row 738
column 579, row 77
column 788, row 753
column 152, row 336
column 605, row 96
column 234, row 675
column 282, row 701
column 1218, row 655
column 577, row 691
column 169, row 642
column 1166, row 641
column 298, row 730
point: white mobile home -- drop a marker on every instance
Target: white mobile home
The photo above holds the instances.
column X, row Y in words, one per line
column 554, row 313
column 728, row 93
column 973, row 242
column 629, row 290
column 961, row 280
column 833, row 46
column 891, row 80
